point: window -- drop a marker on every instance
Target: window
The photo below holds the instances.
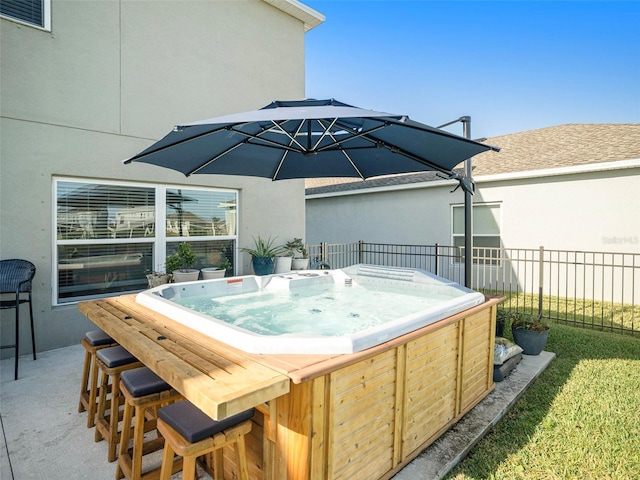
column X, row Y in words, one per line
column 30, row 12
column 108, row 236
column 486, row 230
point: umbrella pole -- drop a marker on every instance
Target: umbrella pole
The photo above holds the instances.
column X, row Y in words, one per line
column 466, row 182
column 468, row 210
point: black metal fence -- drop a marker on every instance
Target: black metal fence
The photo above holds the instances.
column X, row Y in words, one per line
column 595, row 289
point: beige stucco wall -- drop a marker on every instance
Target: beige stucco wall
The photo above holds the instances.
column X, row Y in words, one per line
column 406, row 216
column 109, row 79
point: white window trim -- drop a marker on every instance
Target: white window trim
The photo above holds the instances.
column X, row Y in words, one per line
column 476, row 235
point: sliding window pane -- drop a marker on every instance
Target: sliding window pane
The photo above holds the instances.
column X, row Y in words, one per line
column 87, row 211
column 200, row 213
column 101, row 269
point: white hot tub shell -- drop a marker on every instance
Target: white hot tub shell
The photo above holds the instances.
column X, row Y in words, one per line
column 449, row 298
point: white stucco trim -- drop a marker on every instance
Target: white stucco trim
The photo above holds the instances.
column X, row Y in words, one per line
column 390, row 188
column 310, row 17
column 550, row 172
column 553, row 172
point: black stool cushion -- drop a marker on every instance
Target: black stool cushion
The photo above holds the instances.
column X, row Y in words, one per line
column 142, row 381
column 98, row 337
column 115, row 356
column 194, row 425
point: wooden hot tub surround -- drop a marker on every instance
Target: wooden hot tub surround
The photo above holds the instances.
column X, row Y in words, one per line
column 357, row 416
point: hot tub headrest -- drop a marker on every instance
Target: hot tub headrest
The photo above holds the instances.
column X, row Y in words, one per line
column 167, row 293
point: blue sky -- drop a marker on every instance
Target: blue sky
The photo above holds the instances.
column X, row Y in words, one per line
column 510, row 65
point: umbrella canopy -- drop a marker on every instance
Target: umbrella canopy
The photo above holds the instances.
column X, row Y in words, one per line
column 309, row 139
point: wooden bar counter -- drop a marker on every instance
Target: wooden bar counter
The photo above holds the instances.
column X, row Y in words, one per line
column 358, row 416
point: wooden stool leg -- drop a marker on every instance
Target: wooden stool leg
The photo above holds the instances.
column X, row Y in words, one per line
column 241, row 458
column 138, row 443
column 167, row 462
column 189, row 467
column 93, row 393
column 84, row 383
column 218, row 464
column 114, row 417
column 102, row 403
column 125, row 436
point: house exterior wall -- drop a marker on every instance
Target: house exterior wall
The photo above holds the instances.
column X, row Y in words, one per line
column 417, row 215
column 588, row 209
column 108, row 80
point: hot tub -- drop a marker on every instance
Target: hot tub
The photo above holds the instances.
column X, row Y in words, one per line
column 312, row 312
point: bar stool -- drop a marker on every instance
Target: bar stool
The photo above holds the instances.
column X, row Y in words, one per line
column 92, row 342
column 190, row 433
column 112, row 362
column 144, row 392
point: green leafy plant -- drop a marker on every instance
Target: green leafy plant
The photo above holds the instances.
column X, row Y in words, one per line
column 182, row 260
column 264, row 248
column 296, row 248
column 526, row 321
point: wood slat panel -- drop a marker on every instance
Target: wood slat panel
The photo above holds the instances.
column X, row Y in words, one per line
column 362, row 418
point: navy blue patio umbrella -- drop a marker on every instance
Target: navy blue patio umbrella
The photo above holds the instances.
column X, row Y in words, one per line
column 312, row 139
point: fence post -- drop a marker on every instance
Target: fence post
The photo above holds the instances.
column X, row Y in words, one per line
column 540, row 281
column 436, row 259
column 323, row 252
column 360, row 251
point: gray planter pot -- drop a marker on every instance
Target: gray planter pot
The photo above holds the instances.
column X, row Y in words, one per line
column 300, row 263
column 189, row 275
column 210, row 273
column 283, row 264
column 532, row 342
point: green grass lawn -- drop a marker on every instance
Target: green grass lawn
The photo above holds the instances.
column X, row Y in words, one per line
column 579, row 420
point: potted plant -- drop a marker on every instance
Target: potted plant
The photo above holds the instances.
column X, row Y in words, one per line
column 529, row 332
column 503, row 321
column 155, row 279
column 263, row 255
column 180, row 263
column 209, row 273
column 299, row 252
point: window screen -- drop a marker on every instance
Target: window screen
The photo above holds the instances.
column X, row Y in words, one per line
column 28, row 11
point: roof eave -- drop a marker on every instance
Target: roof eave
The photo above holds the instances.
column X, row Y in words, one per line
column 307, row 15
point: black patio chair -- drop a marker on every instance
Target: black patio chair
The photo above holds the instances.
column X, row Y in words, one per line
column 15, row 279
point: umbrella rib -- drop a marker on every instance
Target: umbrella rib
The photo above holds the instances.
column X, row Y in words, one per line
column 392, row 147
column 211, row 160
column 173, row 145
column 338, row 143
column 267, row 142
column 286, row 152
column 288, row 135
column 326, row 131
column 349, row 159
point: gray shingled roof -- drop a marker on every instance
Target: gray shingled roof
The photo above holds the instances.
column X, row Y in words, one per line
column 544, row 148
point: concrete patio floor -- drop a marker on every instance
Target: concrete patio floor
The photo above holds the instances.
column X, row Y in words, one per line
column 44, row 437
